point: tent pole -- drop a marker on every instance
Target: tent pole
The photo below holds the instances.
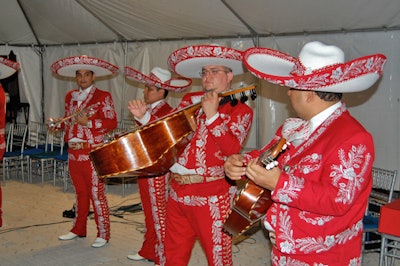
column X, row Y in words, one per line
column 125, row 49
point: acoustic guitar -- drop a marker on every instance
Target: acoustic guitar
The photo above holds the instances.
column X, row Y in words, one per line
column 152, row 149
column 252, row 201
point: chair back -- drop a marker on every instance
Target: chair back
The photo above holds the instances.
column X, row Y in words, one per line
column 18, row 137
column 8, row 133
column 382, row 189
column 37, row 133
column 55, row 140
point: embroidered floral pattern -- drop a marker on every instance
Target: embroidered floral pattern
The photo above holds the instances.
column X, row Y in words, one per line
column 320, row 221
column 344, row 176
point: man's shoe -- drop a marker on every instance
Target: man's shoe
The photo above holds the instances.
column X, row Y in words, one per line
column 136, row 257
column 99, row 242
column 69, row 236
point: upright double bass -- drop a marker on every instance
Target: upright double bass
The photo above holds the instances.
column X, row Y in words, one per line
column 152, row 149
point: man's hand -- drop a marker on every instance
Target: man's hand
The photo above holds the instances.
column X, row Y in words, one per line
column 137, row 107
column 235, row 166
column 82, row 118
column 261, row 176
column 210, row 103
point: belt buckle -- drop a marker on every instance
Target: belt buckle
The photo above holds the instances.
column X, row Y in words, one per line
column 178, row 178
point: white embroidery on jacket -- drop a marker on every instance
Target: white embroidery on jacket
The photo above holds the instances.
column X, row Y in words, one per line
column 344, row 176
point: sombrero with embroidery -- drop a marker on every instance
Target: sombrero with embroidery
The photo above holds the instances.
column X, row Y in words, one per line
column 319, row 67
column 159, row 77
column 188, row 61
column 7, row 67
column 68, row 66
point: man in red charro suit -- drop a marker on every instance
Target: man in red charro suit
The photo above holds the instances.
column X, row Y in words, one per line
column 7, row 68
column 153, row 190
column 93, row 116
column 200, row 195
column 321, row 186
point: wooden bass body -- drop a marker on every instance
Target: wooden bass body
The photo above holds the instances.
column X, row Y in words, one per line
column 129, row 155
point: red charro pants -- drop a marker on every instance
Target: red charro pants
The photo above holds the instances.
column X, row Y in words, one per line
column 197, row 211
column 153, row 195
column 88, row 188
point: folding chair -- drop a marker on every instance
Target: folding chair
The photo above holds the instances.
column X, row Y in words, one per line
column 381, row 194
column 13, row 156
column 43, row 163
column 36, row 142
column 61, row 167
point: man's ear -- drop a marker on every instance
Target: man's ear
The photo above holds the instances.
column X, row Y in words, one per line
column 230, row 75
column 311, row 95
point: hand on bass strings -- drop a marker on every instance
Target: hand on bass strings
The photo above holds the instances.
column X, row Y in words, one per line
column 210, row 103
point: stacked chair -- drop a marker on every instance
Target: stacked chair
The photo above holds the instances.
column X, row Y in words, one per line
column 42, row 164
column 15, row 145
column 36, row 142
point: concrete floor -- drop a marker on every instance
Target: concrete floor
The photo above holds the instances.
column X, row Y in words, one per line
column 32, row 221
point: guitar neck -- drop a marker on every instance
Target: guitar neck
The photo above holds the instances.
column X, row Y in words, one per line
column 237, row 91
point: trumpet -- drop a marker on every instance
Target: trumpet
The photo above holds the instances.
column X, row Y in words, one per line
column 54, row 123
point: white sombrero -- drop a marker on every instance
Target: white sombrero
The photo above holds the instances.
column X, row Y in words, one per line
column 161, row 78
column 188, row 61
column 7, row 67
column 68, row 66
column 319, row 67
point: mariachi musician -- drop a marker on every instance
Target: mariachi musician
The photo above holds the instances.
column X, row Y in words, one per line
column 200, row 195
column 153, row 191
column 92, row 116
column 320, row 187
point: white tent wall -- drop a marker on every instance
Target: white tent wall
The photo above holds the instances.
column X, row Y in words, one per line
column 29, row 77
column 377, row 108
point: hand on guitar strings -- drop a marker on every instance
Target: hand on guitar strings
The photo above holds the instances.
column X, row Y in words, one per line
column 235, row 167
column 267, row 178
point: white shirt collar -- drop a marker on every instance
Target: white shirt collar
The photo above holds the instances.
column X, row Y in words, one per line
column 318, row 119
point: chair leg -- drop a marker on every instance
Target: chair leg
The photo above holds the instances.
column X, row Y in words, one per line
column 22, row 169
column 383, row 250
column 42, row 167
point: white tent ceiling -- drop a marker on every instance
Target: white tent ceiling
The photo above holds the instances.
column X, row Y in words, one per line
column 56, row 22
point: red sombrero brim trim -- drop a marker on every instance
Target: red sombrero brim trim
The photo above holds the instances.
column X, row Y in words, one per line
column 174, row 84
column 353, row 76
column 7, row 67
column 68, row 66
column 188, row 61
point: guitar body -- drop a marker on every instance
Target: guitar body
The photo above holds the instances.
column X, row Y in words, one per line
column 252, row 202
column 249, row 207
column 128, row 155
